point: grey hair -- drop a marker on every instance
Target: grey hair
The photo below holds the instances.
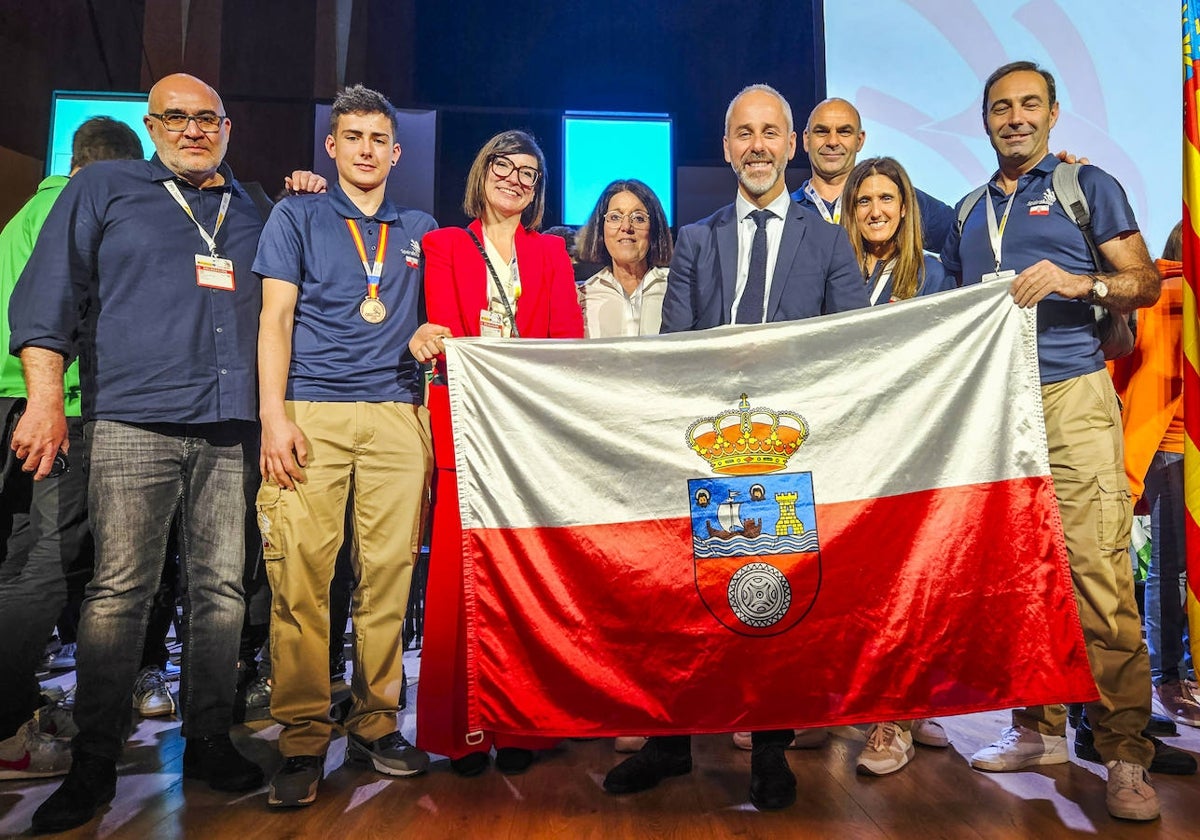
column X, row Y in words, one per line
column 765, row 88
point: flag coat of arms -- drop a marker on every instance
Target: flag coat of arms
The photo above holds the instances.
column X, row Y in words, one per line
column 840, row 520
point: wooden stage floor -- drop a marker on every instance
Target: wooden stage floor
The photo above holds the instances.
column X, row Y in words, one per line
column 937, row 796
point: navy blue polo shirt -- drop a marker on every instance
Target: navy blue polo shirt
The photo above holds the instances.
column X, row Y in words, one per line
column 937, row 218
column 336, row 355
column 1039, row 228
column 114, row 273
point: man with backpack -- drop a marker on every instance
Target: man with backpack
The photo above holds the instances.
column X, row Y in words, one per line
column 1020, row 231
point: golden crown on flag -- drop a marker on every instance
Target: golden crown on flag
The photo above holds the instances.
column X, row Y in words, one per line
column 748, row 441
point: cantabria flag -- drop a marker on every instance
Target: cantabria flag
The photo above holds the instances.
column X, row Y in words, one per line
column 839, row 520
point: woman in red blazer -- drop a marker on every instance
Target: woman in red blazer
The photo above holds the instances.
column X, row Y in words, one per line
column 529, row 282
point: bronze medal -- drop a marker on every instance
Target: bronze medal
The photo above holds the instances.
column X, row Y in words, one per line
column 372, row 310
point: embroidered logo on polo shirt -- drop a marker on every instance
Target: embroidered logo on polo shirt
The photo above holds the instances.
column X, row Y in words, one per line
column 1041, row 206
column 412, row 254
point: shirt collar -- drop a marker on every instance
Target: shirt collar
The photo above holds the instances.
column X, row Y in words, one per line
column 779, row 207
column 387, row 212
column 160, row 172
column 1045, row 166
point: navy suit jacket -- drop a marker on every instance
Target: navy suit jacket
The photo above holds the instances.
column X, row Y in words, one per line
column 815, row 272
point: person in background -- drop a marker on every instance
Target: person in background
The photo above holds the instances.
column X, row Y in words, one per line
column 628, row 234
column 1150, row 383
column 44, row 523
column 497, row 278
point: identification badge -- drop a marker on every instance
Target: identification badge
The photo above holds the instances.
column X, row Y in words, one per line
column 491, row 324
column 1007, row 274
column 214, row 273
column 372, row 310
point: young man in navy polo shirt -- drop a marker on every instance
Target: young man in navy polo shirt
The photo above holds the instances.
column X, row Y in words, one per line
column 1019, row 233
column 341, row 410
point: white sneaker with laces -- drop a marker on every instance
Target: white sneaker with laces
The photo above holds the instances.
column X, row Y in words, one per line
column 888, row 749
column 929, row 733
column 151, row 694
column 33, row 754
column 1019, row 748
column 1130, row 795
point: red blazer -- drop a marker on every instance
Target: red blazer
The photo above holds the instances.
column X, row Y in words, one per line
column 456, row 284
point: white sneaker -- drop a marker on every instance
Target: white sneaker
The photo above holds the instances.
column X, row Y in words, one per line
column 888, row 749
column 929, row 733
column 1019, row 748
column 1130, row 795
column 151, row 695
column 33, row 754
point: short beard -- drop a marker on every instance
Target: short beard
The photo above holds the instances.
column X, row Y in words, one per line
column 757, row 188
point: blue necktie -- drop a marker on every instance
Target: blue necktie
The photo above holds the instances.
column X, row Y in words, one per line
column 750, row 308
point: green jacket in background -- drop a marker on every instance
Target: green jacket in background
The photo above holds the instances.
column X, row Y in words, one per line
column 16, row 244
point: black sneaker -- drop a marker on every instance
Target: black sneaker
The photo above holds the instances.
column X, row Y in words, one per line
column 391, row 755
column 91, row 783
column 772, row 783
column 1167, row 759
column 513, row 761
column 471, row 764
column 214, row 759
column 646, row 768
column 295, row 783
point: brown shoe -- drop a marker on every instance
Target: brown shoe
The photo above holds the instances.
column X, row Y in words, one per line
column 1179, row 703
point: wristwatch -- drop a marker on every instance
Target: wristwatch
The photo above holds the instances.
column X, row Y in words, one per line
column 1099, row 289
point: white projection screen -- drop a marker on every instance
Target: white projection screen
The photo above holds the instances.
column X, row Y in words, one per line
column 915, row 69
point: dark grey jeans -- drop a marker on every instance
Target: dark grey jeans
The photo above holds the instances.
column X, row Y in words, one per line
column 140, row 477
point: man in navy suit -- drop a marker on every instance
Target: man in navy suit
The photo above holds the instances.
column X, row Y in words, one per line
column 810, row 268
column 762, row 259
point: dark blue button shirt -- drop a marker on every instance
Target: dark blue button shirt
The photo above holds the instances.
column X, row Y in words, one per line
column 937, row 218
column 115, row 271
column 336, row 355
column 1039, row 228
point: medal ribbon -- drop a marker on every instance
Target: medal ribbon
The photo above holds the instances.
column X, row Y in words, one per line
column 374, row 270
column 209, row 240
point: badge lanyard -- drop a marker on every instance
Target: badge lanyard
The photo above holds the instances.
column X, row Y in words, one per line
column 822, row 207
column 879, row 277
column 209, row 240
column 499, row 286
column 372, row 308
column 996, row 232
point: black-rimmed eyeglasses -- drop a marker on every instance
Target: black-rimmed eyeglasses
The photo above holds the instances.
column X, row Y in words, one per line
column 502, row 167
column 208, row 123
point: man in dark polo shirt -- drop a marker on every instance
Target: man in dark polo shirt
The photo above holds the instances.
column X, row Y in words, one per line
column 146, row 264
column 1018, row 233
column 341, row 409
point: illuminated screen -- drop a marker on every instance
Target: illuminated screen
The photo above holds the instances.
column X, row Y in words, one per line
column 599, row 149
column 71, row 108
column 915, row 69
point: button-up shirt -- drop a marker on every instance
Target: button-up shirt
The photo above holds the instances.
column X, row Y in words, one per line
column 115, row 267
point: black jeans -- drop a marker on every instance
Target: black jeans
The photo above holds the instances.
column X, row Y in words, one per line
column 44, row 529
